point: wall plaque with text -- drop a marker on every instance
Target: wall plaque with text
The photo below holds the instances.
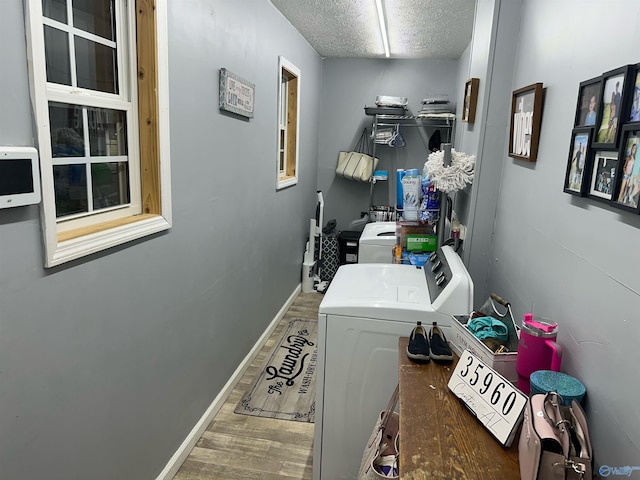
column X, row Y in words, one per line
column 236, row 94
column 526, row 115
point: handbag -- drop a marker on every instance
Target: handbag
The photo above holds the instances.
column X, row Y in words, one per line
column 357, row 164
column 554, row 441
column 380, row 456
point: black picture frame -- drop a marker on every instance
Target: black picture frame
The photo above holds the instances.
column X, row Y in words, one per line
column 627, row 192
column 588, row 101
column 577, row 175
column 634, row 100
column 613, row 108
column 603, row 175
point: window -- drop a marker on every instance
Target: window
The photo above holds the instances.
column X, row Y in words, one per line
column 99, row 92
column 288, row 127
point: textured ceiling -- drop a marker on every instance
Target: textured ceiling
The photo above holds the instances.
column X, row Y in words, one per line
column 349, row 28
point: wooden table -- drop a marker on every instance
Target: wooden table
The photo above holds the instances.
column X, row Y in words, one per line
column 439, row 437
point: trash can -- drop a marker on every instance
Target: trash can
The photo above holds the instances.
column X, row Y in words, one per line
column 348, row 242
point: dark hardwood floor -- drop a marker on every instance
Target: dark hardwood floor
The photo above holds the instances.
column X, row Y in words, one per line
column 244, row 447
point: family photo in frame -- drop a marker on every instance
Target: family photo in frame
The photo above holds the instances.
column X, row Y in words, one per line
column 574, row 181
column 588, row 101
column 605, row 165
column 611, row 105
column 629, row 192
column 634, row 116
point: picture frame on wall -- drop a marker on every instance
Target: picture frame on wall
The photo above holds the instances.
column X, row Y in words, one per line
column 628, row 191
column 526, row 116
column 613, row 108
column 588, row 98
column 470, row 100
column 634, row 111
column 603, row 174
column 236, row 95
column 578, row 163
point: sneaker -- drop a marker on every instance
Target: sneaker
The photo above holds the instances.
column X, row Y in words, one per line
column 440, row 349
column 418, row 347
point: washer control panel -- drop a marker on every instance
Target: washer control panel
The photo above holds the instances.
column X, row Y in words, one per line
column 438, row 273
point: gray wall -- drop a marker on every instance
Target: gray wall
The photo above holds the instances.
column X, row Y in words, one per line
column 568, row 259
column 107, row 363
column 347, row 86
column 493, row 48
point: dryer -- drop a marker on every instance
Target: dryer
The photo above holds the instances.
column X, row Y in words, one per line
column 364, row 311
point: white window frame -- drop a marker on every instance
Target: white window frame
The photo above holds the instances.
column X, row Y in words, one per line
column 126, row 100
column 283, row 180
column 282, row 126
column 120, row 225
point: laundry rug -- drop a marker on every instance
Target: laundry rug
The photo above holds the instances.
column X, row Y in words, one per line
column 286, row 386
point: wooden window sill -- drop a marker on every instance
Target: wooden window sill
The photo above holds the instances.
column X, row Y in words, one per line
column 78, row 243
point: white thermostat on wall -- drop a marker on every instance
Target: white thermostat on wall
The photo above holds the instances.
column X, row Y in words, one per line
column 19, row 176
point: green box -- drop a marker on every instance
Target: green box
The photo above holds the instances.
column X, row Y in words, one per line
column 422, row 243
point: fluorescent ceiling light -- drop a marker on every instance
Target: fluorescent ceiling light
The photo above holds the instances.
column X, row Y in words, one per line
column 383, row 28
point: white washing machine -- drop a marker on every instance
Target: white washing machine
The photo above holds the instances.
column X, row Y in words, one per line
column 364, row 311
column 376, row 243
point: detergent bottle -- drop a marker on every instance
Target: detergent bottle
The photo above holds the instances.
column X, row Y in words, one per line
column 411, row 187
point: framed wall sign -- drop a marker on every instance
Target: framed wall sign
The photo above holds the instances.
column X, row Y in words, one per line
column 236, row 94
column 577, row 166
column 490, row 397
column 470, row 100
column 526, row 115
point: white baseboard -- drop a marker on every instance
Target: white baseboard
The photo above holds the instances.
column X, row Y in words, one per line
column 187, row 445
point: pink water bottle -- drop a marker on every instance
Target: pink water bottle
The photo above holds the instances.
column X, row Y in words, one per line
column 537, row 350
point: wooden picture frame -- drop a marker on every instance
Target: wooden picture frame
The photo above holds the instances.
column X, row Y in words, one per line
column 236, row 95
column 603, row 175
column 470, row 100
column 526, row 117
column 577, row 173
column 613, row 108
column 588, row 103
column 627, row 192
